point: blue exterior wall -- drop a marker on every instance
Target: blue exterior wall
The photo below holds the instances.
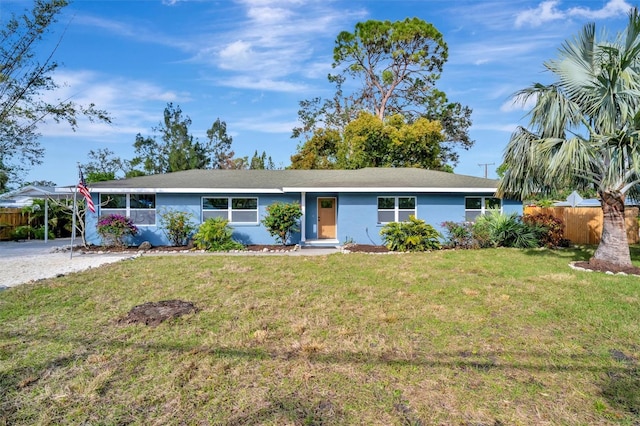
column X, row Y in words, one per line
column 357, row 215
column 192, row 203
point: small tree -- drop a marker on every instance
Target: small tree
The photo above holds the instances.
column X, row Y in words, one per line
column 282, row 220
column 177, row 226
column 114, row 228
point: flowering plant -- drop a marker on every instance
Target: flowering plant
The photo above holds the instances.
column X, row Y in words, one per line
column 114, row 228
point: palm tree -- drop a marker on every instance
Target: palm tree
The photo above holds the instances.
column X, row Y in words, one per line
column 585, row 130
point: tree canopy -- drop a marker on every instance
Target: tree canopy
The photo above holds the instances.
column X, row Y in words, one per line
column 24, row 78
column 369, row 141
column 584, row 130
column 176, row 149
column 398, row 65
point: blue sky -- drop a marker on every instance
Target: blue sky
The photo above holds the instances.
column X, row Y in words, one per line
column 249, row 63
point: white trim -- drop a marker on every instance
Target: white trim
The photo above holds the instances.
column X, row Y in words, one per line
column 303, row 218
column 289, row 189
column 483, row 202
column 188, row 190
column 230, row 209
column 396, row 207
column 128, row 209
column 392, row 189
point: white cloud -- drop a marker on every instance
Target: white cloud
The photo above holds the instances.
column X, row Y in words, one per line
column 254, row 82
column 132, row 104
column 516, row 104
column 236, row 55
column 545, row 12
column 269, row 15
column 548, row 11
column 504, row 128
column 275, row 43
column 611, row 9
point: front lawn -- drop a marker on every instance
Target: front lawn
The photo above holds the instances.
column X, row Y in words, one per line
column 483, row 337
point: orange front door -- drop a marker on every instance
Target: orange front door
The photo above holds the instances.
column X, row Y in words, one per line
column 326, row 218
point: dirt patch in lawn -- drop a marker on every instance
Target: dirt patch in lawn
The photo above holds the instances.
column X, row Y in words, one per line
column 154, row 313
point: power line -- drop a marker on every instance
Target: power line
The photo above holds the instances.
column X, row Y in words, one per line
column 486, row 165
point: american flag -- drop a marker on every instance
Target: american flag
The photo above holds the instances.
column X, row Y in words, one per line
column 82, row 188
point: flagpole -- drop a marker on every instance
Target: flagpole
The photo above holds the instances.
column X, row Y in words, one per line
column 73, row 220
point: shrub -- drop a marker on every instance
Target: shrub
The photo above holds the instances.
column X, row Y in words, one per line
column 551, row 229
column 500, row 230
column 22, row 232
column 215, row 234
column 114, row 228
column 282, row 220
column 413, row 235
column 459, row 234
column 177, row 226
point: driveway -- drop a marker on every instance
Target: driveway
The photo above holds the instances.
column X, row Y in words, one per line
column 25, row 261
column 32, row 247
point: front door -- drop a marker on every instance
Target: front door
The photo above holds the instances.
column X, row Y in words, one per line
column 326, row 218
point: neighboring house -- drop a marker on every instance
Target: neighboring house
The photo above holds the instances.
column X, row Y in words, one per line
column 338, row 205
column 575, row 200
column 24, row 196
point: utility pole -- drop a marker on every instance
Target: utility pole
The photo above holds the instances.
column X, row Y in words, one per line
column 485, row 167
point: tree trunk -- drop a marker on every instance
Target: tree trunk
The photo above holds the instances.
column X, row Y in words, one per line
column 614, row 246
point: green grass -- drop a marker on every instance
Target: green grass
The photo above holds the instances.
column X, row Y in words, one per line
column 484, row 337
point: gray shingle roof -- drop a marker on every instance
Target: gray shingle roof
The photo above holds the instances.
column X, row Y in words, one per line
column 299, row 180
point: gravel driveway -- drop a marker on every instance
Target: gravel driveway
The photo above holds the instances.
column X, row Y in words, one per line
column 25, row 261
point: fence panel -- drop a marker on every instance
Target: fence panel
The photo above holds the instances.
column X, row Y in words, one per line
column 583, row 225
column 10, row 219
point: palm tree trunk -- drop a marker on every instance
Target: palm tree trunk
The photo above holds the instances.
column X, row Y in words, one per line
column 614, row 246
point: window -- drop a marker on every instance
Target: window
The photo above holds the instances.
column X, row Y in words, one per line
column 235, row 210
column 140, row 208
column 396, row 209
column 475, row 206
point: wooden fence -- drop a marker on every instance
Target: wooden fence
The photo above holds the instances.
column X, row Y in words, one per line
column 583, row 225
column 10, row 219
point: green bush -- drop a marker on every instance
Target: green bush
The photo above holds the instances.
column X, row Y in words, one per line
column 459, row 235
column 499, row 230
column 413, row 235
column 215, row 234
column 177, row 226
column 24, row 232
column 282, row 220
column 115, row 228
column 551, row 229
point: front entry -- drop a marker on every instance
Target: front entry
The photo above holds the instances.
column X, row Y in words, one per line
column 326, row 218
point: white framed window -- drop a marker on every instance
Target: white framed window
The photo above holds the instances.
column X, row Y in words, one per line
column 476, row 206
column 396, row 209
column 235, row 209
column 140, row 208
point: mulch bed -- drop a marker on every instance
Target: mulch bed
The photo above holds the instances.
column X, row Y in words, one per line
column 601, row 266
column 354, row 248
column 365, row 248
